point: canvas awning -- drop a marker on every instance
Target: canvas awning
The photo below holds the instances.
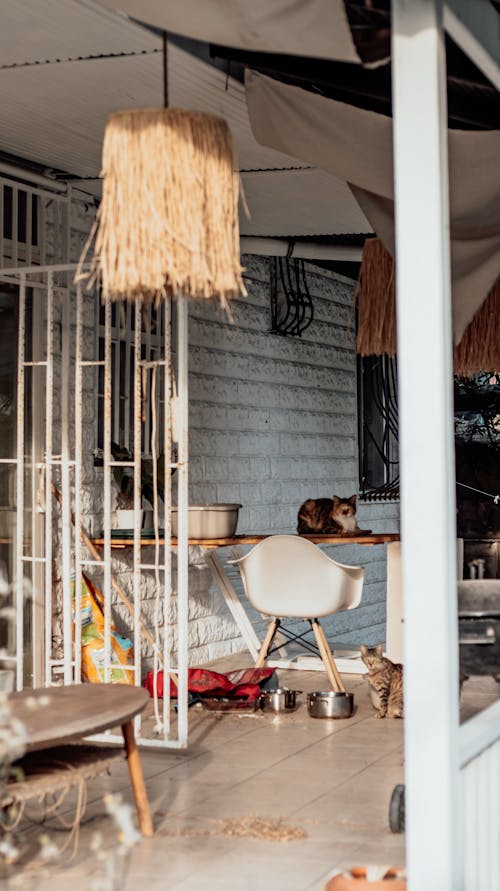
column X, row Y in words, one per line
column 281, row 26
column 351, row 143
column 356, row 145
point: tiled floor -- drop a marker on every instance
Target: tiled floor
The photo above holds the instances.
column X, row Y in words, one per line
column 330, row 780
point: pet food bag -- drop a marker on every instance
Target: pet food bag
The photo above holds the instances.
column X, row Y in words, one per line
column 92, row 639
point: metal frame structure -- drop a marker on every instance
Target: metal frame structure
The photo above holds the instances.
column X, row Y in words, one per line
column 152, row 320
column 443, row 760
column 26, row 220
column 378, row 428
column 69, row 367
column 423, row 294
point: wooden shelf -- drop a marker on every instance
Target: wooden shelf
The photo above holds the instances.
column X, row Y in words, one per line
column 363, row 539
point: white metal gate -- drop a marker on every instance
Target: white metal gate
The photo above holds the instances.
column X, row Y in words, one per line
column 145, row 595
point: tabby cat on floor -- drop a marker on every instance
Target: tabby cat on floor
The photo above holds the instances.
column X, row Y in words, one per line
column 386, row 679
column 328, row 516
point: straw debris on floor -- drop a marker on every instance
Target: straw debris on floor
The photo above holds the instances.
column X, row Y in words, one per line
column 256, row 827
column 242, row 827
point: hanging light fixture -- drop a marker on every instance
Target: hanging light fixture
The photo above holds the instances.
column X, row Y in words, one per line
column 479, row 348
column 168, row 219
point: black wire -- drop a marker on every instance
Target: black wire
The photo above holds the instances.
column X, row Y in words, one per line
column 165, row 69
column 286, row 283
column 308, row 297
column 298, row 313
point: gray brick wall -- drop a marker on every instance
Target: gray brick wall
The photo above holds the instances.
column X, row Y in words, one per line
column 273, row 420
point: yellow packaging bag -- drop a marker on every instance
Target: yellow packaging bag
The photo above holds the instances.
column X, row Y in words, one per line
column 92, row 639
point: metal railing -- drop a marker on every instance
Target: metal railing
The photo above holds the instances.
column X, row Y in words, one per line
column 64, row 368
column 479, row 746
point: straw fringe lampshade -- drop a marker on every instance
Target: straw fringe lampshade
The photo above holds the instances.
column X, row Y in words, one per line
column 479, row 349
column 168, row 220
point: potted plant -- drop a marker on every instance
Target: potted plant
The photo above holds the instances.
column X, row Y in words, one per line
column 124, row 479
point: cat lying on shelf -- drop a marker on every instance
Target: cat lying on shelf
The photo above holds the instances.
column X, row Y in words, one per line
column 328, row 516
column 386, row 680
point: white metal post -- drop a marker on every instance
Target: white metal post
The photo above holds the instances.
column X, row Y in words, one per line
column 49, row 419
column 427, row 459
column 38, row 487
column 182, row 502
column 19, row 576
column 66, row 538
column 107, row 490
column 137, row 557
column 166, row 318
column 77, row 602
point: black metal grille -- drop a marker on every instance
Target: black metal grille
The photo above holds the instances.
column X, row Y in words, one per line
column 378, row 428
column 291, row 304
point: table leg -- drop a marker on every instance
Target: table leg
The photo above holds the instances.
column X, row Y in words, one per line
column 234, row 604
column 394, row 621
column 137, row 780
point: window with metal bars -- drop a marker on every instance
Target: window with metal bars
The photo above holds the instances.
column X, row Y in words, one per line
column 378, row 428
column 122, row 374
column 20, row 212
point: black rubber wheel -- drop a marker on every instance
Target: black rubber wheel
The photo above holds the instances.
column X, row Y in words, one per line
column 397, row 809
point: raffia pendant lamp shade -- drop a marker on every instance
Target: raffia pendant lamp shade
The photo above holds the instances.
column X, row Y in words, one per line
column 376, row 297
column 479, row 349
column 168, row 220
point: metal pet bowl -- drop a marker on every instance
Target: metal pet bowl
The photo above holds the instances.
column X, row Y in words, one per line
column 330, row 704
column 209, row 520
column 280, row 700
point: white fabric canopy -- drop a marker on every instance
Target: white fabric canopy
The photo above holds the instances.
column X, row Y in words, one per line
column 297, row 27
column 356, row 146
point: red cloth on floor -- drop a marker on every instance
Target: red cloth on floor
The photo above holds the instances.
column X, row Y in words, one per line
column 241, row 684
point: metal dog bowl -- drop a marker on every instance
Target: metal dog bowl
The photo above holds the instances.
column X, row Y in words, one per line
column 281, row 700
column 330, row 704
column 209, row 520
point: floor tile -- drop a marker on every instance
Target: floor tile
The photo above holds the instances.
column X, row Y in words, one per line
column 332, row 780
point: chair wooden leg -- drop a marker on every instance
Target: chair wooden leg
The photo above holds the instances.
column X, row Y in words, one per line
column 331, row 659
column 137, row 780
column 327, row 657
column 266, row 644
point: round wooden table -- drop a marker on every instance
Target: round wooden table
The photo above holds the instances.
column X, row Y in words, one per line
column 55, row 715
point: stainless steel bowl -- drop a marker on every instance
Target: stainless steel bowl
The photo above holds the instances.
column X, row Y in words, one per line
column 330, row 704
column 209, row 520
column 280, row 700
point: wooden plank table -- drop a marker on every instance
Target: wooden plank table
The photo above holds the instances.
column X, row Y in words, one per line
column 365, row 538
column 240, row 616
column 55, row 715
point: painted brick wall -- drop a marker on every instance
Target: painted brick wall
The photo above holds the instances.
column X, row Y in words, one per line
column 273, row 420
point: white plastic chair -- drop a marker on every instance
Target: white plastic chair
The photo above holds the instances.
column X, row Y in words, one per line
column 286, row 576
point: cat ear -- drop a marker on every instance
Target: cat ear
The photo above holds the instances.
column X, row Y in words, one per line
column 336, row 500
column 363, row 649
column 352, row 500
column 379, row 649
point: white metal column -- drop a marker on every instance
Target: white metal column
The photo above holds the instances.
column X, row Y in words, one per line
column 427, row 459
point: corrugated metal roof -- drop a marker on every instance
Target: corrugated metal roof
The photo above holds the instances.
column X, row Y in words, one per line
column 55, row 114
column 300, row 202
column 40, row 30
